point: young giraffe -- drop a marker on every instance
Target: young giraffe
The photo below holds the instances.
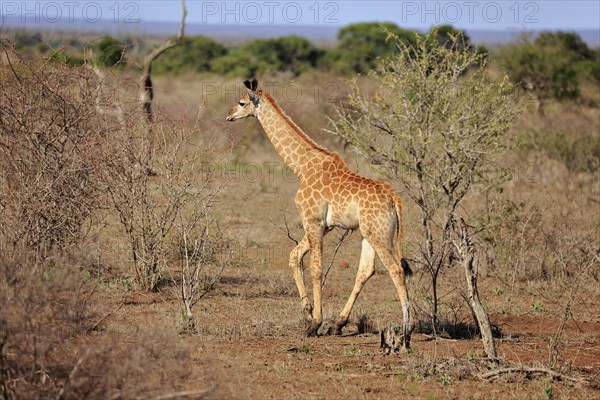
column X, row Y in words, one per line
column 330, row 195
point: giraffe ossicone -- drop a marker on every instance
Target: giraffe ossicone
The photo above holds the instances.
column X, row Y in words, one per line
column 331, row 195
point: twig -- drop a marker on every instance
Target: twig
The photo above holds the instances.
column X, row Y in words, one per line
column 285, row 222
column 185, row 393
column 93, row 328
column 11, row 67
column 337, row 247
column 553, row 347
column 438, row 337
column 72, row 374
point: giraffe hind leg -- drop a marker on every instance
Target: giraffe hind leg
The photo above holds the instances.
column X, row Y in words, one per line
column 366, row 269
column 397, row 272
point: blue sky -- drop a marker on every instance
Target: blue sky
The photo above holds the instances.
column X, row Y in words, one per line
column 467, row 14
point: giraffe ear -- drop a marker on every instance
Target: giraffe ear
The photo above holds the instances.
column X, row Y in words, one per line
column 251, row 89
column 251, row 84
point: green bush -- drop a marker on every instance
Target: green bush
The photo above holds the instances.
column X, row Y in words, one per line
column 24, row 39
column 568, row 41
column 235, row 64
column 590, row 68
column 62, row 57
column 551, row 66
column 194, row 53
column 290, row 53
column 447, row 35
column 110, row 52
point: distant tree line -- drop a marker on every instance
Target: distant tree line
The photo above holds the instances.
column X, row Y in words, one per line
column 358, row 49
column 552, row 65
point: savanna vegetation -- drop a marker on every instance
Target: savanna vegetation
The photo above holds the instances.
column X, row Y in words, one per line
column 149, row 259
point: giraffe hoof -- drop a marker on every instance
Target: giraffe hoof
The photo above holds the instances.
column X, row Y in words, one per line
column 313, row 329
column 335, row 329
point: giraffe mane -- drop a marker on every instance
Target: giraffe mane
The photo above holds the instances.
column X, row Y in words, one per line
column 292, row 124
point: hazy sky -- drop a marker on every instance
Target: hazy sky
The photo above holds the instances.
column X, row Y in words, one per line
column 495, row 15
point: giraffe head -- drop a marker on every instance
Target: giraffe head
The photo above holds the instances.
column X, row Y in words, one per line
column 248, row 104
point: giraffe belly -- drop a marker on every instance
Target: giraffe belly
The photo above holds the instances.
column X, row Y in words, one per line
column 343, row 217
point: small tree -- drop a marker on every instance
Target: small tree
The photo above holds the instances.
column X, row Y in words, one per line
column 205, row 253
column 193, row 53
column 436, row 123
column 287, row 54
column 361, row 45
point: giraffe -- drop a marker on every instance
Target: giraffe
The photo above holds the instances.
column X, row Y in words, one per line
column 331, row 195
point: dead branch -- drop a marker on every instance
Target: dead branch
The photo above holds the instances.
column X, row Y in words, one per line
column 108, row 314
column 146, row 90
column 198, row 393
column 528, row 371
column 285, row 222
column 117, row 110
column 72, row 374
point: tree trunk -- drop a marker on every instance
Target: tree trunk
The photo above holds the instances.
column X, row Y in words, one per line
column 434, row 300
column 146, row 87
column 465, row 249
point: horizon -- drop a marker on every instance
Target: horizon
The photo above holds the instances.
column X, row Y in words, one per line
column 487, row 22
column 418, row 15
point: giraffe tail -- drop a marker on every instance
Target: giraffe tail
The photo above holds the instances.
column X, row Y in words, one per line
column 399, row 234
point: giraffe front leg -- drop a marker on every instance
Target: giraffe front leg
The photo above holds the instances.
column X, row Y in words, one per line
column 296, row 265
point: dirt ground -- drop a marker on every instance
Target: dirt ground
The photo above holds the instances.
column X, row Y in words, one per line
column 251, row 345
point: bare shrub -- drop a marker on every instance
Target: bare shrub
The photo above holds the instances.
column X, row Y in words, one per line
column 51, row 150
column 41, row 311
column 162, row 193
column 540, row 239
column 46, row 323
column 205, row 253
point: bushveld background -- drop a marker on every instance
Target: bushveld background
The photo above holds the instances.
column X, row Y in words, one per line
column 150, row 260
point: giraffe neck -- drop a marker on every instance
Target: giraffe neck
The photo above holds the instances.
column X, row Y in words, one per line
column 297, row 149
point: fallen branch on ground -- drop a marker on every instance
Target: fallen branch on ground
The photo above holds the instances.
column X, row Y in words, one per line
column 495, row 373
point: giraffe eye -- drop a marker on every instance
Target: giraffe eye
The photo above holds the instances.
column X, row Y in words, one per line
column 242, row 104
